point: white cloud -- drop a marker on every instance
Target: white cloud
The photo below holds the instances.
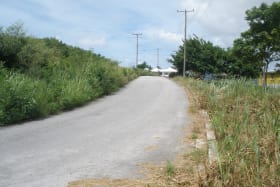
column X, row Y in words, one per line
column 88, row 42
column 162, row 34
column 219, row 20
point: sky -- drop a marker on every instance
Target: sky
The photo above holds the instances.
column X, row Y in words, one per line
column 107, row 26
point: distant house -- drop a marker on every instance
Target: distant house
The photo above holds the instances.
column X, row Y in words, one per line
column 273, row 76
column 155, row 70
column 164, row 72
column 273, row 79
column 167, row 72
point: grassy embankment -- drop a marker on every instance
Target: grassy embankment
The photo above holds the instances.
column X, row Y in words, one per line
column 39, row 77
column 246, row 120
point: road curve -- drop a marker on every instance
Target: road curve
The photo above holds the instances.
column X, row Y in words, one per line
column 142, row 122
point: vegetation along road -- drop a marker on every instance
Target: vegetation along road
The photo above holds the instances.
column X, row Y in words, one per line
column 108, row 137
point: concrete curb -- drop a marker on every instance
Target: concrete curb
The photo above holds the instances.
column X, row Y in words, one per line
column 211, row 138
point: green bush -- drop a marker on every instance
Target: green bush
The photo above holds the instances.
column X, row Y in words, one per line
column 18, row 100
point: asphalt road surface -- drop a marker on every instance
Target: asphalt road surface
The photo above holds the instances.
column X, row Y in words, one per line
column 141, row 123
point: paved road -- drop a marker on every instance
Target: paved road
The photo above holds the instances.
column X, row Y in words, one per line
column 141, row 123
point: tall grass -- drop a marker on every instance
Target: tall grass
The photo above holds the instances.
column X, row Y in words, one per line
column 57, row 87
column 246, row 120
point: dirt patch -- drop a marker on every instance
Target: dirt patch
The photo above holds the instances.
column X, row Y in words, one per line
column 104, row 182
column 151, row 148
column 188, row 169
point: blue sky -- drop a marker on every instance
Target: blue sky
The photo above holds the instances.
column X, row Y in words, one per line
column 106, row 26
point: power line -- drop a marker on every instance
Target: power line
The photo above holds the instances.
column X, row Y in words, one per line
column 137, row 36
column 185, row 37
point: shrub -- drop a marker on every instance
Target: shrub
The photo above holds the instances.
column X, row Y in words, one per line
column 18, row 99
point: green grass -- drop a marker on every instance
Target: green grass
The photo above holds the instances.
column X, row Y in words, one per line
column 246, row 120
column 57, row 87
column 170, row 169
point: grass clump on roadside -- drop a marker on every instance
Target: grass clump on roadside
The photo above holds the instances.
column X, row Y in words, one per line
column 170, row 169
column 246, row 120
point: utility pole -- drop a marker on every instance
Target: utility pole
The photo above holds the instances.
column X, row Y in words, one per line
column 157, row 57
column 137, row 36
column 185, row 37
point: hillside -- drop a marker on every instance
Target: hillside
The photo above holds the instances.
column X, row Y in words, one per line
column 39, row 77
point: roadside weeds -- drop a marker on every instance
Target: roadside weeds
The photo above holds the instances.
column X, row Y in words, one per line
column 246, row 121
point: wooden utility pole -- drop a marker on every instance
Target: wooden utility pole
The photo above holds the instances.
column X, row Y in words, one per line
column 137, row 36
column 185, row 38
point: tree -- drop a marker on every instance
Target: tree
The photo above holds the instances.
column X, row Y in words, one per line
column 241, row 61
column 17, row 30
column 264, row 34
column 202, row 57
column 177, row 59
column 11, row 42
column 144, row 65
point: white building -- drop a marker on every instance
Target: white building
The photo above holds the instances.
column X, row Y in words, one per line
column 164, row 72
